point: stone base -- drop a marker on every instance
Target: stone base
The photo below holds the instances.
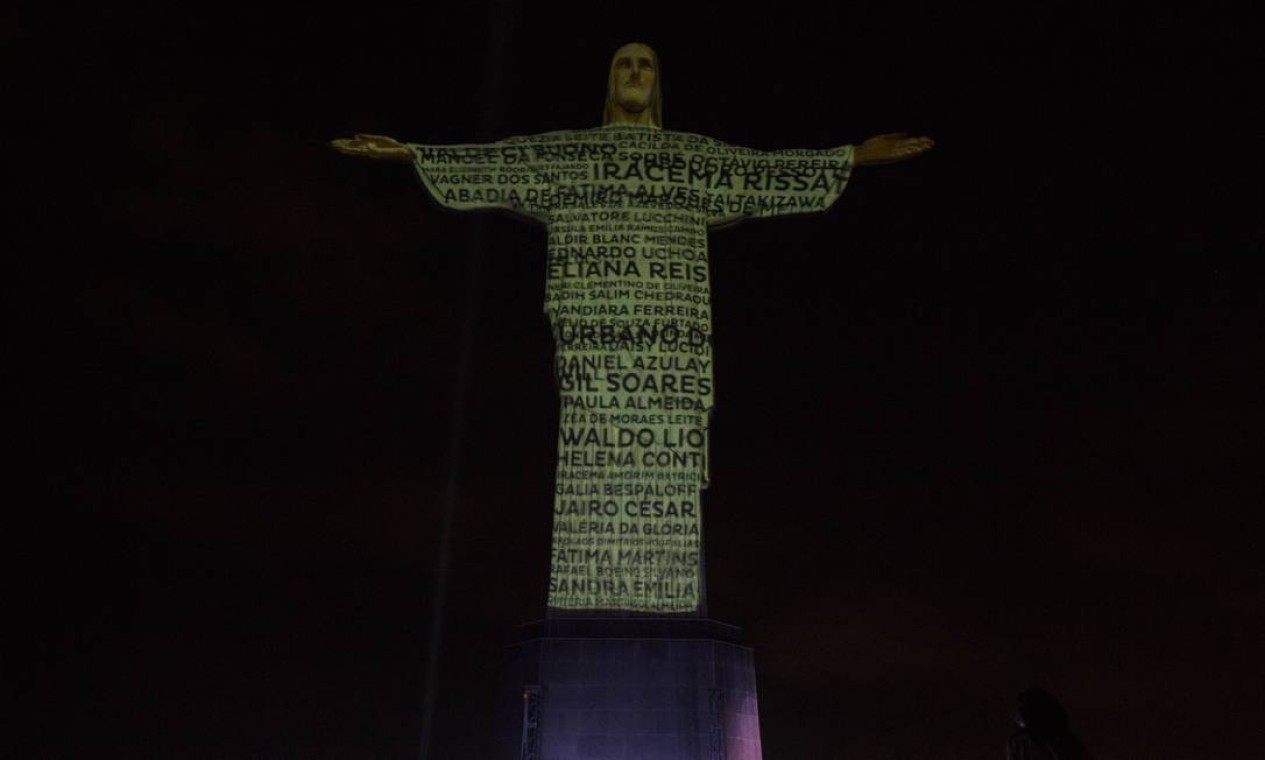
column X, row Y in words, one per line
column 628, row 689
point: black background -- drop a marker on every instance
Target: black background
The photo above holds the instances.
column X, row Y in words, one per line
column 993, row 421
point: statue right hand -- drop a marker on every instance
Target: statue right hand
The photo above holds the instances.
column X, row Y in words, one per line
column 379, row 147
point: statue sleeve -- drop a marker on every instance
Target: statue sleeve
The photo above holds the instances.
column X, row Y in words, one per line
column 501, row 175
column 750, row 183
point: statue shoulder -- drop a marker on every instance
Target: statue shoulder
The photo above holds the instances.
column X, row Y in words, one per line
column 666, row 137
column 559, row 135
column 640, row 138
column 694, row 137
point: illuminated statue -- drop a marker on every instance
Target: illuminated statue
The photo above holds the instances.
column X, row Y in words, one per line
column 627, row 208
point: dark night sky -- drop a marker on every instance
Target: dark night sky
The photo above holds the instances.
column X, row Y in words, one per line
column 993, row 421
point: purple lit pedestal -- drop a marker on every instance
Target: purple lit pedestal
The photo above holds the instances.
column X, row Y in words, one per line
column 628, row 689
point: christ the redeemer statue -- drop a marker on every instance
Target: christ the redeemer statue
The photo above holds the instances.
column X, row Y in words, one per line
column 627, row 208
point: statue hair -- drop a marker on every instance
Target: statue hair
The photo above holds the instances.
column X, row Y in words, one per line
column 656, row 98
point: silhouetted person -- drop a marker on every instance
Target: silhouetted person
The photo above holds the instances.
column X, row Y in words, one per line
column 1044, row 732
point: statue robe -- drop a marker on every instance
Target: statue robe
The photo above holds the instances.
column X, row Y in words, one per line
column 627, row 211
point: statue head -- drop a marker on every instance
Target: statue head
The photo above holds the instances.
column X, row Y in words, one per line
column 632, row 92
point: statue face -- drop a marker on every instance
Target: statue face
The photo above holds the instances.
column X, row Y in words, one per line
column 633, row 76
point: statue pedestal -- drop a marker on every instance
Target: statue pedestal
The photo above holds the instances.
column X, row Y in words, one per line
column 628, row 689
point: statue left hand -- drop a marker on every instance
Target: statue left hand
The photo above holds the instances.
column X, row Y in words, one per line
column 890, row 148
column 379, row 147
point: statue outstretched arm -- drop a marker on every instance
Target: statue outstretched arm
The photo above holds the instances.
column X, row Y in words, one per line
column 501, row 175
column 890, row 148
column 378, row 147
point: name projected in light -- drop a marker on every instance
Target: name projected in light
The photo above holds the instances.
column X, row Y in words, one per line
column 627, row 210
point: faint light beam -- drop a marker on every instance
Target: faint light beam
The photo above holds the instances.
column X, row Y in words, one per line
column 501, row 27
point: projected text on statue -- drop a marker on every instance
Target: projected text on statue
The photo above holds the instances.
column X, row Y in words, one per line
column 627, row 211
column 627, row 208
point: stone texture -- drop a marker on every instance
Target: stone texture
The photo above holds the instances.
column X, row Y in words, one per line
column 630, row 689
